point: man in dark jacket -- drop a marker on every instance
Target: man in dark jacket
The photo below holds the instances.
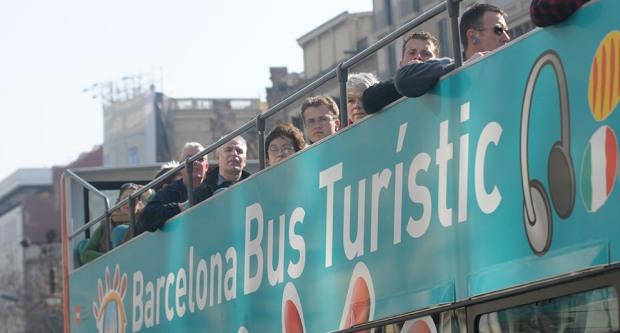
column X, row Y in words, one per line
column 173, row 199
column 231, row 159
column 420, row 46
column 482, row 29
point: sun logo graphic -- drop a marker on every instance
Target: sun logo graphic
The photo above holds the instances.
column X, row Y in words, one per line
column 600, row 160
column 110, row 312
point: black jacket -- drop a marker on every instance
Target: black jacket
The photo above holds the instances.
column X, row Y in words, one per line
column 165, row 204
column 415, row 80
column 380, row 95
column 213, row 177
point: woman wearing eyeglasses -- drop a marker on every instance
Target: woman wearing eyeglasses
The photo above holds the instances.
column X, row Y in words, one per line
column 284, row 140
column 95, row 245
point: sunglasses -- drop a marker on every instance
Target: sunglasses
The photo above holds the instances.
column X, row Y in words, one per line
column 498, row 30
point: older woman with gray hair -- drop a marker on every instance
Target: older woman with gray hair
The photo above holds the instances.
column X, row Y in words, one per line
column 356, row 84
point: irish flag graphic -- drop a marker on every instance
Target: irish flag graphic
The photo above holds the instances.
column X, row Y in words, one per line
column 598, row 171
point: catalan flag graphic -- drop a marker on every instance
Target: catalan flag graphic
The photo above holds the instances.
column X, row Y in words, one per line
column 598, row 171
column 604, row 84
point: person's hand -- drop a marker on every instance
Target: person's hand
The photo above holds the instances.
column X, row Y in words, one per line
column 184, row 205
column 147, row 196
column 119, row 217
column 415, row 61
column 476, row 56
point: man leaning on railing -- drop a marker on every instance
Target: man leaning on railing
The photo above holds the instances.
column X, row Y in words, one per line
column 172, row 199
column 420, row 46
column 483, row 29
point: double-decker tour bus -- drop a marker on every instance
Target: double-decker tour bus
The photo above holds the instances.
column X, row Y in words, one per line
column 487, row 205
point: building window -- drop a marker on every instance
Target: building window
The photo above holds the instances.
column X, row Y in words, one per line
column 388, row 12
column 362, row 44
column 392, row 59
column 416, row 6
column 52, row 281
column 205, row 104
column 383, row 16
column 133, row 156
column 406, row 7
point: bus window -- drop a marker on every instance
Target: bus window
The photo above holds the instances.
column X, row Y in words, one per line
column 452, row 321
column 588, row 312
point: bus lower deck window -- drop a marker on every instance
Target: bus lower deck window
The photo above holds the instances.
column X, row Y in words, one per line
column 587, row 312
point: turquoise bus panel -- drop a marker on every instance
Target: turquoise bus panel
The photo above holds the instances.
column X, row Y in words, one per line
column 461, row 192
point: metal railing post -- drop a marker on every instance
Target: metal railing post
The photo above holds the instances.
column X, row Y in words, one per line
column 189, row 170
column 343, row 74
column 260, row 133
column 87, row 189
column 453, row 14
column 132, row 216
column 86, row 203
column 107, row 232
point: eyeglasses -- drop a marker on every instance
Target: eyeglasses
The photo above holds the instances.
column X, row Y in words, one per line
column 284, row 149
column 319, row 120
column 498, row 30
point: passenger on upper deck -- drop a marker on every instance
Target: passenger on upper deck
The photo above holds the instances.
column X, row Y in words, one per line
column 548, row 12
column 231, row 161
column 95, row 245
column 172, row 199
column 165, row 168
column 356, row 85
column 420, row 46
column 320, row 115
column 483, row 29
column 284, row 140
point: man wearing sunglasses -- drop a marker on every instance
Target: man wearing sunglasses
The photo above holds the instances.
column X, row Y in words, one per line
column 482, row 29
column 173, row 199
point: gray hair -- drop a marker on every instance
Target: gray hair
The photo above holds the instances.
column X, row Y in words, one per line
column 361, row 81
column 188, row 145
column 238, row 138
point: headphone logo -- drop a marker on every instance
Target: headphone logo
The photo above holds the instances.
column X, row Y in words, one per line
column 538, row 219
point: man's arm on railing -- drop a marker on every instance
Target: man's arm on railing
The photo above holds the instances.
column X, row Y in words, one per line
column 203, row 192
column 416, row 79
column 380, row 95
column 163, row 206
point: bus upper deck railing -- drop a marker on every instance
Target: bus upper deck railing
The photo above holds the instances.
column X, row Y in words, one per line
column 106, row 203
column 340, row 72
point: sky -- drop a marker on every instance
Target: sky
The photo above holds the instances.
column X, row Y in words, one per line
column 52, row 50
